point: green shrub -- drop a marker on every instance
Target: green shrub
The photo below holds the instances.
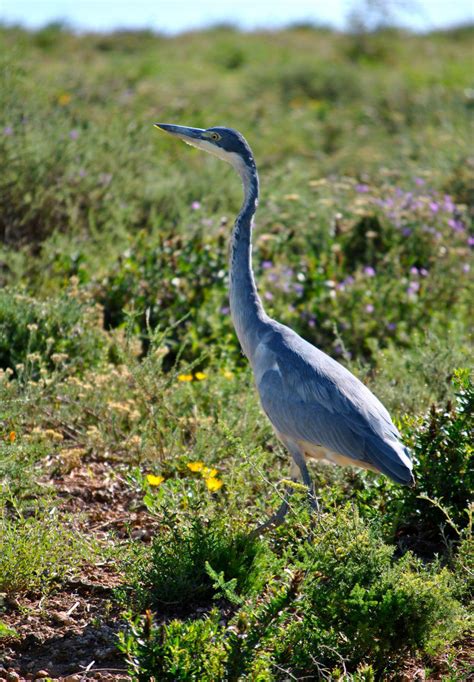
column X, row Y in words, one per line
column 310, row 80
column 167, row 286
column 360, row 605
column 463, row 562
column 18, row 465
column 57, row 332
column 341, row 600
column 442, row 453
column 37, row 552
column 188, row 556
column 184, row 651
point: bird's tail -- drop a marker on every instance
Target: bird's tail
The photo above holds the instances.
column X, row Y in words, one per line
column 392, row 458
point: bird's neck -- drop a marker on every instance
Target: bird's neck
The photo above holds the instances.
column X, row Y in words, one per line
column 245, row 304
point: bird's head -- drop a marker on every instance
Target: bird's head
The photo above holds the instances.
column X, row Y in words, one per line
column 225, row 143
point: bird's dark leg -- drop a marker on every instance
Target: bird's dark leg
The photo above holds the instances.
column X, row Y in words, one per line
column 278, row 517
column 300, row 462
column 298, row 467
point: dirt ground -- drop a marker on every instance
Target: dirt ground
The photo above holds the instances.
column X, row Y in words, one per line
column 71, row 634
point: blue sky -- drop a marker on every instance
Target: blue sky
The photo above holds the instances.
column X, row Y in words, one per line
column 178, row 15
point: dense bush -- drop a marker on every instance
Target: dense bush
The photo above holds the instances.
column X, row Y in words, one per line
column 442, row 450
column 364, row 606
column 167, row 285
column 192, row 650
column 188, row 557
column 57, row 332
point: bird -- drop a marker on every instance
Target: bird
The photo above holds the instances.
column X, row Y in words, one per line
column 317, row 407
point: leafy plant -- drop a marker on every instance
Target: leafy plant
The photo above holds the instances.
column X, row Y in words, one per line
column 193, row 559
column 37, row 552
column 60, row 332
column 185, row 651
column 442, row 449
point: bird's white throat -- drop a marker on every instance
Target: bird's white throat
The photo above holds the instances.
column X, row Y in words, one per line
column 235, row 160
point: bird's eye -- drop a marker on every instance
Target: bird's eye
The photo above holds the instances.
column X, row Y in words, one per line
column 215, row 136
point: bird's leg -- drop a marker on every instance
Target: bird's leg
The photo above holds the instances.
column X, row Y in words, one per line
column 298, row 467
column 300, row 461
column 278, row 517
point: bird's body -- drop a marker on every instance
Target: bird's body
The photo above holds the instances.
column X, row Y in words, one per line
column 316, row 406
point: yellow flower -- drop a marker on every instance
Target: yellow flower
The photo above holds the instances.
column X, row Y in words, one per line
column 155, row 480
column 214, row 484
column 12, row 436
column 291, row 197
column 185, row 377
column 200, row 376
column 195, row 466
column 228, row 374
column 208, row 473
column 64, row 99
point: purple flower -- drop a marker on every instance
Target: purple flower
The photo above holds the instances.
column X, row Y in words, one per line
column 448, row 204
column 267, row 264
column 298, row 289
column 196, row 205
column 424, row 272
column 413, row 288
column 456, row 225
column 414, row 271
column 406, row 232
column 419, row 182
column 363, row 189
column 82, row 173
column 347, row 281
column 466, row 268
column 470, row 241
column 312, row 322
column 225, row 310
column 8, row 130
column 268, row 295
column 391, row 326
column 74, row 134
column 369, row 271
column 434, row 206
column 369, row 308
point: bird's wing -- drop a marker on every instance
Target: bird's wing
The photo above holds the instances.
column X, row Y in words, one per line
column 308, row 396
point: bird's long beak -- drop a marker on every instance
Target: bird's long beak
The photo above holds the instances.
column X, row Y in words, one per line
column 192, row 136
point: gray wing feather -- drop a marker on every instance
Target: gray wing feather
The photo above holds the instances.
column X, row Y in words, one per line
column 309, row 396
